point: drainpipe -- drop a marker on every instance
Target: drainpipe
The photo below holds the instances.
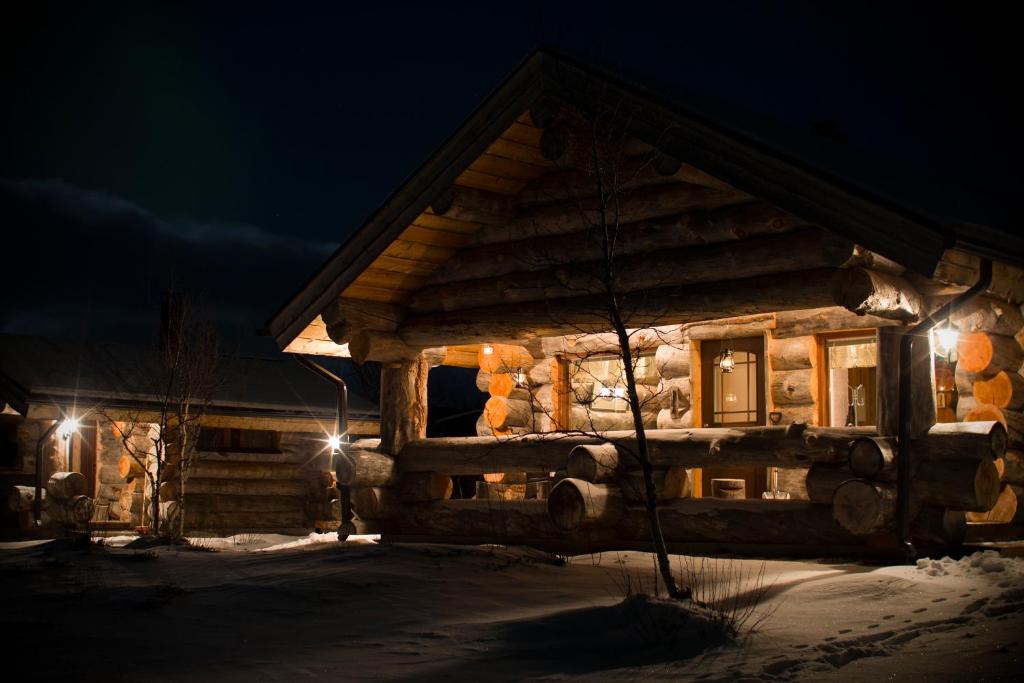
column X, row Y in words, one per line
column 37, row 504
column 903, row 469
column 340, row 429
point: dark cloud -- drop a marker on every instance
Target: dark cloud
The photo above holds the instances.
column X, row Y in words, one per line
column 89, row 262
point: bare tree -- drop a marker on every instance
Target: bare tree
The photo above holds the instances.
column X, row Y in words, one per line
column 181, row 377
column 602, row 167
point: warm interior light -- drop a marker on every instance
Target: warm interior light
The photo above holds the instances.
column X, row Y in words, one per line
column 620, row 392
column 730, row 398
column 334, row 442
column 488, row 349
column 69, row 426
column 604, row 392
column 946, row 339
column 727, row 362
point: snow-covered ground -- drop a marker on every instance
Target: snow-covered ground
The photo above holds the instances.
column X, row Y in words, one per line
column 268, row 608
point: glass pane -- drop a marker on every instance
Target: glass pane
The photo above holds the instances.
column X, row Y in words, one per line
column 600, row 382
column 852, row 381
column 735, row 397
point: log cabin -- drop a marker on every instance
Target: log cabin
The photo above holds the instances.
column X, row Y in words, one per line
column 262, row 463
column 789, row 331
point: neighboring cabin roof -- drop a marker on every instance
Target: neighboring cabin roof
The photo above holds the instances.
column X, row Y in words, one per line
column 824, row 184
column 41, row 370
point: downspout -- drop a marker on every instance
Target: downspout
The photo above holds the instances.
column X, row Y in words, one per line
column 903, row 469
column 37, row 504
column 340, row 429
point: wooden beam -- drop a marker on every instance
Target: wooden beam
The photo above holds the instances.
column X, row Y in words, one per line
column 800, row 250
column 873, row 292
column 651, row 308
column 642, row 204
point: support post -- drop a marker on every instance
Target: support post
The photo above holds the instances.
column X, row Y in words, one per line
column 403, row 404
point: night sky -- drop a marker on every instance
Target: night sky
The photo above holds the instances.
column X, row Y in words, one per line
column 227, row 150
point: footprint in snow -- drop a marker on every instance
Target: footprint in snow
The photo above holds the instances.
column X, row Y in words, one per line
column 845, row 630
column 889, row 616
column 920, row 609
column 873, row 626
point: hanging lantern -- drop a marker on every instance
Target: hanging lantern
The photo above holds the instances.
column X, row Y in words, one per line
column 726, row 361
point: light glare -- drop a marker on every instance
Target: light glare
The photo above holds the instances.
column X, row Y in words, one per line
column 334, row 442
column 946, row 340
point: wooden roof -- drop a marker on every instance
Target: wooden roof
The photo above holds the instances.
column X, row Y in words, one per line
column 497, row 151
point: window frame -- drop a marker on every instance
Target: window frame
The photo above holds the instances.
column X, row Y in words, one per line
column 821, row 341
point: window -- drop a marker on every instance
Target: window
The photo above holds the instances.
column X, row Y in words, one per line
column 734, row 398
column 852, row 363
column 599, row 382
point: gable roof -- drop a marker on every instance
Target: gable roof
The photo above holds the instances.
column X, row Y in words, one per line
column 819, row 191
column 60, row 371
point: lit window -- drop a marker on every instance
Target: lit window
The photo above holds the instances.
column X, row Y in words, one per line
column 599, row 382
column 852, row 380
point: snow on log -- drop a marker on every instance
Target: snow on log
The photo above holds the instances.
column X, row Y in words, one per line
column 971, row 440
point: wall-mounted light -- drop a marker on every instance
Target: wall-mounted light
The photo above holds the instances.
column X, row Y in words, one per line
column 334, row 443
column 946, row 339
column 726, row 361
column 69, row 426
column 488, row 349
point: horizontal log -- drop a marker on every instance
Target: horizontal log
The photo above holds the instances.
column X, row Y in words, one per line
column 675, row 394
column 505, row 413
column 792, row 446
column 362, row 314
column 863, row 507
column 986, row 354
column 381, row 347
column 415, row 487
column 670, row 419
column 663, row 306
column 245, row 521
column 473, row 206
column 66, row 485
column 989, row 314
column 801, row 323
column 964, row 381
column 874, row 457
column 970, row 440
column 823, row 479
column 1013, row 467
column 376, row 502
column 795, row 353
column 792, row 387
column 235, row 487
column 574, row 503
column 731, row 328
column 740, row 521
column 489, row 490
column 1004, row 390
column 217, row 502
column 226, row 469
column 1011, row 420
column 361, row 468
column 803, row 249
column 641, row 204
column 589, row 420
column 22, row 498
column 870, row 292
column 1007, row 510
column 486, row 519
column 129, row 468
column 957, row 484
column 537, row 253
column 672, row 361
